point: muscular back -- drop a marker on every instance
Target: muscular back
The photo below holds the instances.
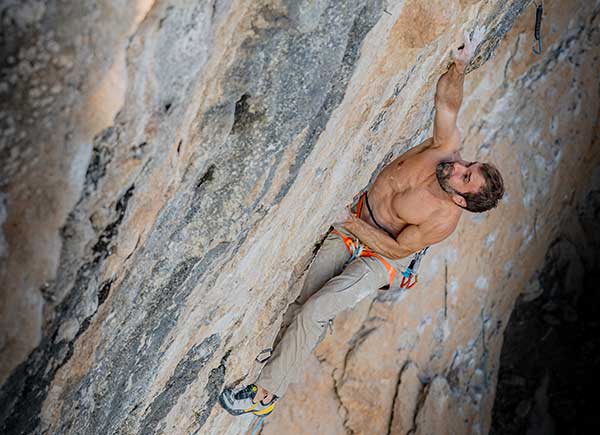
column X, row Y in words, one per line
column 402, row 194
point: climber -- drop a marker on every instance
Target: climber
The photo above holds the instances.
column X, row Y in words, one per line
column 415, row 201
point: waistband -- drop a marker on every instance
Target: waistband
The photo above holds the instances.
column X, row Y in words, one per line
column 358, row 249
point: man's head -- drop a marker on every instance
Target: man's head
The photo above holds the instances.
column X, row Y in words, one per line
column 474, row 186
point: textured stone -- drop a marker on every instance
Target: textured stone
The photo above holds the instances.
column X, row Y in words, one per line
column 433, row 417
column 169, row 198
column 406, row 400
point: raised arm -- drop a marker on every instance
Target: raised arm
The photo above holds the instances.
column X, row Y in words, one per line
column 449, row 94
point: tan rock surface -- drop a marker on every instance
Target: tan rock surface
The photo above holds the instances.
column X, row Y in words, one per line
column 406, row 400
column 159, row 211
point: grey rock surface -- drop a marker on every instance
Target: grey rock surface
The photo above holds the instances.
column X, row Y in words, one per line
column 167, row 167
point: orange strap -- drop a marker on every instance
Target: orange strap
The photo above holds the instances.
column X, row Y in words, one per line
column 359, row 205
column 366, row 252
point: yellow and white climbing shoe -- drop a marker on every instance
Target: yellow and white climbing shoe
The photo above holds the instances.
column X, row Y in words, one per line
column 241, row 401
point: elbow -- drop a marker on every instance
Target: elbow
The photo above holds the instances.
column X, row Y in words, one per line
column 444, row 104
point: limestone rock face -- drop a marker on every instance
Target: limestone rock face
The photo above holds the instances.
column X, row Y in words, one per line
column 168, row 166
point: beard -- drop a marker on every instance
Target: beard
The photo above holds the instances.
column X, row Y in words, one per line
column 443, row 172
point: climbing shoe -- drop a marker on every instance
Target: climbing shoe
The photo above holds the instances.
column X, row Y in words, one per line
column 240, row 402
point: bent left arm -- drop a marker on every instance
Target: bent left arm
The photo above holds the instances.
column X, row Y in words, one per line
column 376, row 239
column 412, row 239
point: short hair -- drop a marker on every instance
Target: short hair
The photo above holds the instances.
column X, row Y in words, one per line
column 489, row 194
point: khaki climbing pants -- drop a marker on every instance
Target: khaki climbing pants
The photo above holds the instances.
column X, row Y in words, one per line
column 331, row 286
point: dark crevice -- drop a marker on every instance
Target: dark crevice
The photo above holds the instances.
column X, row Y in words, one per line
column 445, row 288
column 164, row 18
column 246, row 113
column 207, row 177
column 336, row 391
column 213, row 387
column 102, row 155
column 395, row 399
column 102, row 246
column 420, row 402
column 104, row 291
column 356, row 341
column 137, row 151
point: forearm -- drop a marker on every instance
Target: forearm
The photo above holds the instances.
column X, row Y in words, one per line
column 376, row 239
column 449, row 90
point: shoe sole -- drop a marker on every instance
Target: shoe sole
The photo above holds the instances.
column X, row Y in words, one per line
column 266, row 411
column 227, row 408
column 262, row 412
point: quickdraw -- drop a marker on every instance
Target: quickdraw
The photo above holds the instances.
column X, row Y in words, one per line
column 410, row 273
column 538, row 27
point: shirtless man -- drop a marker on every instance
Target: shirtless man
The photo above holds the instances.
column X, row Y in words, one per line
column 416, row 201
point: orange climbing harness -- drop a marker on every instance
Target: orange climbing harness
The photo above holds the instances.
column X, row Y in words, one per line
column 357, row 249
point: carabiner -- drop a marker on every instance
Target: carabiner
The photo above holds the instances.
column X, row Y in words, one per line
column 538, row 27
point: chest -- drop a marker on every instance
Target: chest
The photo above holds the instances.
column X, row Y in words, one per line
column 414, row 204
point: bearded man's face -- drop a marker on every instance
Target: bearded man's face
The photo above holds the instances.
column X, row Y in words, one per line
column 459, row 177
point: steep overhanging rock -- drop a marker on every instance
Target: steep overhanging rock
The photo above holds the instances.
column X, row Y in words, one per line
column 160, row 211
column 542, row 387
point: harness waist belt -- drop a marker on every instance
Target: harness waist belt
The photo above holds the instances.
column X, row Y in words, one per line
column 355, row 248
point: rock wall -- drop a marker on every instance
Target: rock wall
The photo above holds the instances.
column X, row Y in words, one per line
column 545, row 390
column 168, row 166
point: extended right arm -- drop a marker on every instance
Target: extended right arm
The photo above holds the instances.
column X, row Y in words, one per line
column 448, row 99
column 449, row 95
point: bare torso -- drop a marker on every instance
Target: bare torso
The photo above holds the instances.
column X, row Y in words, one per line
column 407, row 192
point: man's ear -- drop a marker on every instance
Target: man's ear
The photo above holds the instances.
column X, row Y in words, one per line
column 459, row 200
